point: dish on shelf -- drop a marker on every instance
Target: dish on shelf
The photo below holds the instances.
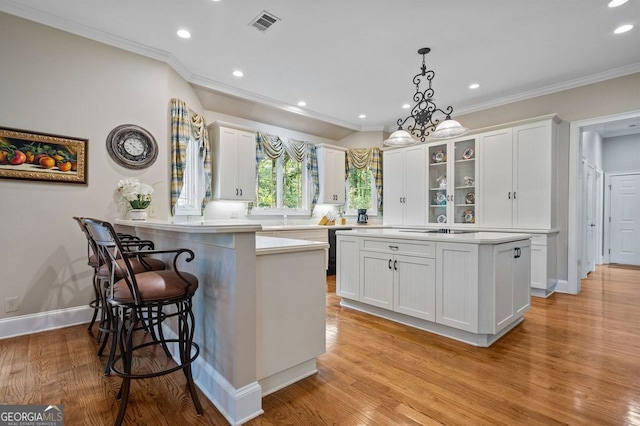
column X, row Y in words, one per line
column 470, row 198
column 469, row 181
column 439, row 156
column 442, row 181
column 442, row 218
column 468, row 217
column 467, row 154
column 441, row 198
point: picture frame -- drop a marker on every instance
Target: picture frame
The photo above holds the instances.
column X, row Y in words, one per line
column 36, row 156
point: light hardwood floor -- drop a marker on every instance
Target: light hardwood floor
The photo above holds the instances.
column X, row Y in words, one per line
column 574, row 360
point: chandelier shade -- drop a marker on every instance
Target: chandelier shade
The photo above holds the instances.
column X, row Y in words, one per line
column 422, row 124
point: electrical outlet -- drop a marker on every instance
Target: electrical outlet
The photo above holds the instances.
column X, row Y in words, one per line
column 11, row 304
column 152, row 211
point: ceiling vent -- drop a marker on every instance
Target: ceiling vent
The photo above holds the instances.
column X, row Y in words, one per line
column 264, row 21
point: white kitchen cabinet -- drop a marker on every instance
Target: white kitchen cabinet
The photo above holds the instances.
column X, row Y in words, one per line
column 234, row 163
column 405, row 186
column 517, row 176
column 398, row 276
column 348, row 267
column 470, row 287
column 452, row 182
column 331, row 172
column 457, row 286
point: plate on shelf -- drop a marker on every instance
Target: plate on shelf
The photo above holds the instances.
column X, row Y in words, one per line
column 470, row 198
column 442, row 218
column 441, row 181
column 439, row 156
column 441, row 198
column 467, row 154
column 468, row 217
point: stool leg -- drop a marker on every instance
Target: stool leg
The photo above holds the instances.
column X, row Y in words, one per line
column 96, row 302
column 126, row 343
column 186, row 323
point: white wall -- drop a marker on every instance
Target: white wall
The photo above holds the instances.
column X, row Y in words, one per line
column 621, row 153
column 371, row 139
column 55, row 82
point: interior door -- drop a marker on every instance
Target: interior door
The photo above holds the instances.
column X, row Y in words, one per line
column 589, row 219
column 625, row 219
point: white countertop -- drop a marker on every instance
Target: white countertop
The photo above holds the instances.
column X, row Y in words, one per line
column 202, row 227
column 267, row 228
column 471, row 237
column 273, row 245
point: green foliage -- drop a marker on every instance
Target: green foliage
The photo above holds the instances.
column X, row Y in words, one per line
column 292, row 185
column 359, row 189
column 267, row 184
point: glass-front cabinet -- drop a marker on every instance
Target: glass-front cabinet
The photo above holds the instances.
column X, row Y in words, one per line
column 452, row 182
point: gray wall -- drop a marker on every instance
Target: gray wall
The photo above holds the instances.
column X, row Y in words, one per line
column 621, row 153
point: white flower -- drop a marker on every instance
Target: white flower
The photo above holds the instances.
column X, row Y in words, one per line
column 138, row 194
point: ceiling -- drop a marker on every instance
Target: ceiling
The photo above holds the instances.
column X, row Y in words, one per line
column 346, row 58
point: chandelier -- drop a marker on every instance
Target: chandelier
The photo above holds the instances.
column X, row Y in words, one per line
column 422, row 122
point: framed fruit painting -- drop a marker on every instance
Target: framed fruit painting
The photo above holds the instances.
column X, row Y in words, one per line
column 37, row 156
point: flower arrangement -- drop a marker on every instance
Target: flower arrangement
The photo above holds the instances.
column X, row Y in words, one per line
column 138, row 194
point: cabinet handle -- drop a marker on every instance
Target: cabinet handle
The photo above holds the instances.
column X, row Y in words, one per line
column 236, row 191
column 241, row 192
column 514, row 195
column 395, row 265
column 389, row 263
column 394, row 248
column 509, row 194
column 518, row 252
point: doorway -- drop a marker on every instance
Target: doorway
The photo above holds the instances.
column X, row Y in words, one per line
column 576, row 238
column 623, row 210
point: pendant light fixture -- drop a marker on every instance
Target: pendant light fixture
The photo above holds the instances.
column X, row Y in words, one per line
column 422, row 122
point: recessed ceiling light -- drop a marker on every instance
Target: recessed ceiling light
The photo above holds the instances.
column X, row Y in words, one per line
column 405, row 106
column 616, row 3
column 623, row 29
column 302, row 103
column 474, row 86
column 238, row 73
column 183, row 34
column 362, row 116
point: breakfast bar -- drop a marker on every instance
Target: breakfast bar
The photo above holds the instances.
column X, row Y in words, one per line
column 260, row 308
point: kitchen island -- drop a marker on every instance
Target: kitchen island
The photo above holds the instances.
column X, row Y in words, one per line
column 260, row 308
column 469, row 286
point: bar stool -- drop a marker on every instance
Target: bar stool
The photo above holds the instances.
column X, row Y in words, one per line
column 101, row 283
column 143, row 297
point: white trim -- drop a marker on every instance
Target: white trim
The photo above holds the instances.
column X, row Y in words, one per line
column 44, row 321
column 562, row 286
column 606, row 244
column 575, row 195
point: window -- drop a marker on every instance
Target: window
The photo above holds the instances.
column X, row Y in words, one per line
column 361, row 192
column 194, row 179
column 282, row 186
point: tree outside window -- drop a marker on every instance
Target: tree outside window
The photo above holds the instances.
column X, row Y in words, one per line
column 361, row 191
column 281, row 184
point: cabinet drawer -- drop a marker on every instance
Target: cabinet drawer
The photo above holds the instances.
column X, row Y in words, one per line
column 424, row 248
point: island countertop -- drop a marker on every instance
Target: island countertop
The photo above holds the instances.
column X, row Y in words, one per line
column 199, row 227
column 273, row 245
column 422, row 235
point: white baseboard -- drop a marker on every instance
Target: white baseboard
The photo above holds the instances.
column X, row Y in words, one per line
column 43, row 321
column 238, row 406
column 563, row 287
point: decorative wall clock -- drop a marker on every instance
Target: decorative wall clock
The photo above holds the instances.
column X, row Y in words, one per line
column 132, row 146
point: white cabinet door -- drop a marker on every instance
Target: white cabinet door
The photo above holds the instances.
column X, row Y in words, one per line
column 415, row 181
column 246, row 166
column 539, row 266
column 457, row 285
column 512, row 276
column 405, row 186
column 496, row 178
column 415, row 284
column 348, row 267
column 331, row 175
column 532, row 175
column 376, row 279
column 234, row 160
column 522, row 279
column 393, row 186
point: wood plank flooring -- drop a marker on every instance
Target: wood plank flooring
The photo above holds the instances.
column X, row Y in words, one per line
column 574, row 360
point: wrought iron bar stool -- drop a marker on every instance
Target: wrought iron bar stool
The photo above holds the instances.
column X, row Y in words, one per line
column 101, row 284
column 152, row 297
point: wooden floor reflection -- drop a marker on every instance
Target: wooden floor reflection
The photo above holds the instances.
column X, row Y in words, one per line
column 574, row 360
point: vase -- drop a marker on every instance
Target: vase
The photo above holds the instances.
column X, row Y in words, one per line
column 138, row 214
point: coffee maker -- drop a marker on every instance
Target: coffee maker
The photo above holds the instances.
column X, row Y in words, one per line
column 362, row 216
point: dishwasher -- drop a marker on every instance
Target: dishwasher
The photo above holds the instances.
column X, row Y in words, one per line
column 331, row 269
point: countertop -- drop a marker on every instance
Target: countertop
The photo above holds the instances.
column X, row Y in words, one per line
column 201, row 227
column 267, row 228
column 470, row 237
column 273, row 245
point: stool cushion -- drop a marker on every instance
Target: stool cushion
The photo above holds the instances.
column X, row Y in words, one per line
column 151, row 264
column 93, row 261
column 156, row 286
